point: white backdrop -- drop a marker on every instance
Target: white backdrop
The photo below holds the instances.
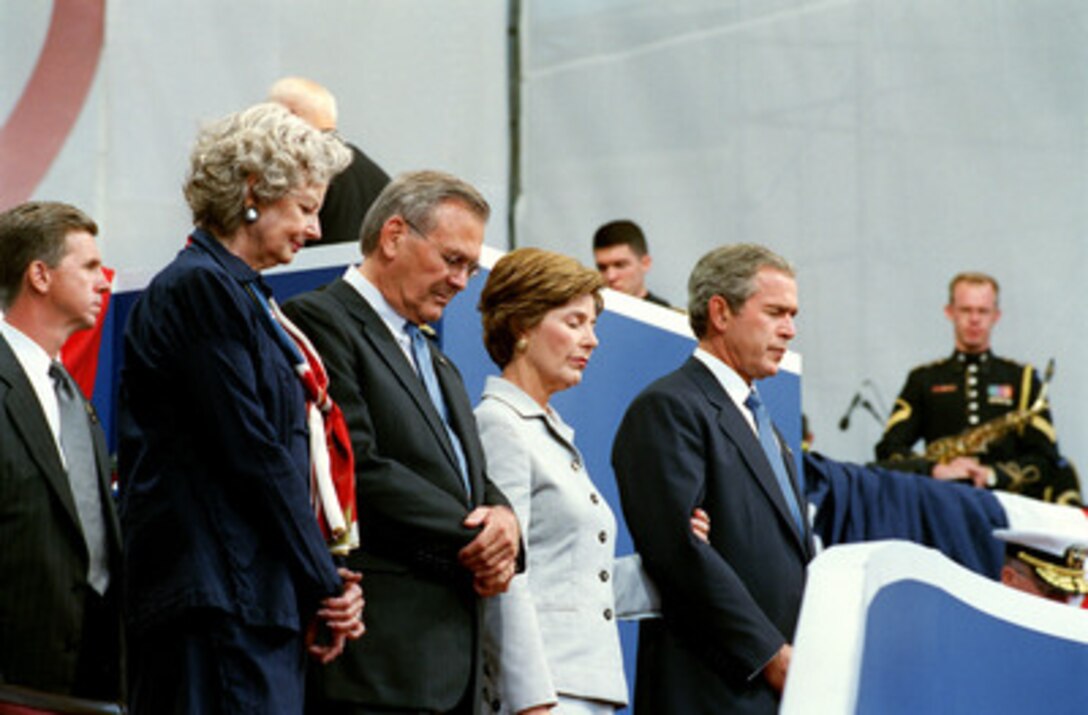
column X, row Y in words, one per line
column 420, row 84
column 882, row 146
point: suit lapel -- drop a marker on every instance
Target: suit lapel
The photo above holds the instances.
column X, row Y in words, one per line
column 461, row 420
column 105, row 474
column 377, row 334
column 795, row 484
column 25, row 413
column 795, row 481
column 737, row 429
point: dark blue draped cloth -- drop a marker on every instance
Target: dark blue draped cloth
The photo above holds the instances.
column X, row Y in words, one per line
column 863, row 503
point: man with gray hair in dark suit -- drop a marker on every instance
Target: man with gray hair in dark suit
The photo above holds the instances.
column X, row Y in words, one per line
column 702, row 437
column 436, row 534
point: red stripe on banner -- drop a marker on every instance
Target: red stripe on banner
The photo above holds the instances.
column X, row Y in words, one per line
column 52, row 99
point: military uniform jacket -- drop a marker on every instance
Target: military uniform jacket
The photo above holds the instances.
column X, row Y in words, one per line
column 963, row 391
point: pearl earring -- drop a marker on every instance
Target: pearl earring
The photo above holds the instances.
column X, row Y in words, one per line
column 250, row 214
column 521, row 345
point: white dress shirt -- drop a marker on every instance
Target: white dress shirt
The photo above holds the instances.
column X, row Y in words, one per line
column 392, row 319
column 733, row 384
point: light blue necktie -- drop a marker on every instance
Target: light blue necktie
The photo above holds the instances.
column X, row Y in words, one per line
column 79, row 458
column 422, row 354
column 769, row 442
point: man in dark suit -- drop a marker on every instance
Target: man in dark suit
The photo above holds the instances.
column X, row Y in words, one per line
column 700, row 437
column 436, row 534
column 60, row 626
column 352, row 191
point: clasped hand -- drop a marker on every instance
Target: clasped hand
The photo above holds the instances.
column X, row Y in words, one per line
column 343, row 617
column 492, row 555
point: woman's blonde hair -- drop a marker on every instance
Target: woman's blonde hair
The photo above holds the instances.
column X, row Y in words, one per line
column 264, row 150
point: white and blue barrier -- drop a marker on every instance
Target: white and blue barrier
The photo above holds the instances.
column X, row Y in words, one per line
column 893, row 628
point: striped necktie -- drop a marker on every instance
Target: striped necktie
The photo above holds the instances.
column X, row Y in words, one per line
column 82, row 467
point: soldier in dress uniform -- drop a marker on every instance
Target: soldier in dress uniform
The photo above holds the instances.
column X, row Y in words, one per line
column 968, row 389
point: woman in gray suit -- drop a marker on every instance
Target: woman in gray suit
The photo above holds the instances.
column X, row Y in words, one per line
column 551, row 641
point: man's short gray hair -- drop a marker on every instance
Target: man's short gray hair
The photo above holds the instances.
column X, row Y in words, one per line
column 414, row 196
column 728, row 271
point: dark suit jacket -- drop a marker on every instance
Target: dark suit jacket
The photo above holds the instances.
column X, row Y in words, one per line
column 730, row 605
column 43, row 558
column 350, row 194
column 421, row 648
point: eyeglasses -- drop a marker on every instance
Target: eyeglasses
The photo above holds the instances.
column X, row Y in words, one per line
column 455, row 262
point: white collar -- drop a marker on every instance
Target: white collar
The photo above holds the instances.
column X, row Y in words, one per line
column 501, row 389
column 733, row 384
column 35, row 362
column 31, row 356
column 392, row 319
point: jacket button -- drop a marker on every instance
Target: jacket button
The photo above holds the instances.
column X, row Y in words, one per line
column 604, row 575
column 594, row 498
column 603, row 536
column 608, row 614
column 575, row 465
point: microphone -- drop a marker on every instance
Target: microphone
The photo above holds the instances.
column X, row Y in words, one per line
column 844, row 423
column 878, row 398
column 872, row 411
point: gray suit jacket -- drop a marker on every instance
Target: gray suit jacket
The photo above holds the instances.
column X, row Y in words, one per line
column 554, row 631
column 43, row 560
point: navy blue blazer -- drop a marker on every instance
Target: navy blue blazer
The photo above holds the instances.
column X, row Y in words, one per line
column 214, row 461
column 729, row 605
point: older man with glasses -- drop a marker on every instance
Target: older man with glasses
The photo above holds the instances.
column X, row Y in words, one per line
column 437, row 535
